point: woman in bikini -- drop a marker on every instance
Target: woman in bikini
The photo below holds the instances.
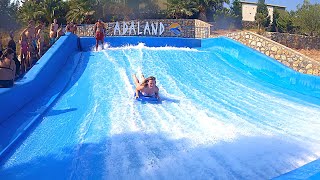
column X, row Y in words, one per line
column 147, row 87
column 7, row 69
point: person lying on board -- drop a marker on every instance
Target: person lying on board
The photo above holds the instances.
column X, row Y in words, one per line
column 147, row 88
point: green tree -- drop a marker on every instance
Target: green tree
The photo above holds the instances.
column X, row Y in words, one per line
column 80, row 10
column 53, row 9
column 236, row 11
column 147, row 9
column 207, row 8
column 262, row 17
column 224, row 19
column 181, row 8
column 307, row 18
column 8, row 15
column 30, row 10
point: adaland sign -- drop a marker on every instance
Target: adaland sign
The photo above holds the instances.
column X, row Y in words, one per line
column 132, row 29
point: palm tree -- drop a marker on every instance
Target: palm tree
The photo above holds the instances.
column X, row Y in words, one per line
column 30, row 10
column 52, row 9
column 181, row 8
column 79, row 10
column 209, row 7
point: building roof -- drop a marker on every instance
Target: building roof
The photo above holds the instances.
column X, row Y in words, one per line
column 246, row 2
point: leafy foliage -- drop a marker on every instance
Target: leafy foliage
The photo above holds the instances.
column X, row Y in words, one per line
column 8, row 14
column 79, row 11
column 44, row 11
column 236, row 11
column 208, row 8
column 307, row 18
column 224, row 19
column 181, row 8
column 262, row 17
column 30, row 10
column 283, row 21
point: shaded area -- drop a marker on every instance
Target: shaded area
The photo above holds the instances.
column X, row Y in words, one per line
column 25, row 120
column 54, row 112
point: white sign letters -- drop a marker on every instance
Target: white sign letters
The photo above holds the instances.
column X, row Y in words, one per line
column 153, row 29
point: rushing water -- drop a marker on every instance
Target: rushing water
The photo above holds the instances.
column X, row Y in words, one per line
column 215, row 121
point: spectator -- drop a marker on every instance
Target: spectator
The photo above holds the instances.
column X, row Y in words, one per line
column 40, row 37
column 68, row 27
column 0, row 45
column 71, row 27
column 12, row 45
column 53, row 32
column 7, row 69
column 60, row 32
column 24, row 52
column 31, row 34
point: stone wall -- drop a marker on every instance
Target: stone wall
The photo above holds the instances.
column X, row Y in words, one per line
column 249, row 24
column 202, row 29
column 283, row 54
column 294, row 40
column 189, row 28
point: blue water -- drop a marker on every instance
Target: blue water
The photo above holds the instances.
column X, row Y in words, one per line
column 215, row 121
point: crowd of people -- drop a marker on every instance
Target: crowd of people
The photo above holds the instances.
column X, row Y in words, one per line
column 33, row 45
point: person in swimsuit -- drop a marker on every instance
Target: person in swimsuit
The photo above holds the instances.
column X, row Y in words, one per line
column 53, row 32
column 99, row 29
column 7, row 69
column 40, row 37
column 60, row 32
column 24, row 48
column 147, row 87
column 31, row 34
column 71, row 27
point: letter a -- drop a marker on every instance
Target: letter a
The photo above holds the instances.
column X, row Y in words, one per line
column 132, row 28
column 146, row 28
column 116, row 28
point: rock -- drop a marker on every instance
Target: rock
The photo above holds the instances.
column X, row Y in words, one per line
column 274, row 49
column 309, row 66
column 267, row 53
column 259, row 44
column 309, row 71
column 286, row 63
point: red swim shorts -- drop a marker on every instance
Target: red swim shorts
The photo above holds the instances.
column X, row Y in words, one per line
column 99, row 35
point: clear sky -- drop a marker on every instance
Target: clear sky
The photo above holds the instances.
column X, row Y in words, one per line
column 290, row 4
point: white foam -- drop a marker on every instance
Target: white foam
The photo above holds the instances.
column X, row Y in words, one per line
column 143, row 46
